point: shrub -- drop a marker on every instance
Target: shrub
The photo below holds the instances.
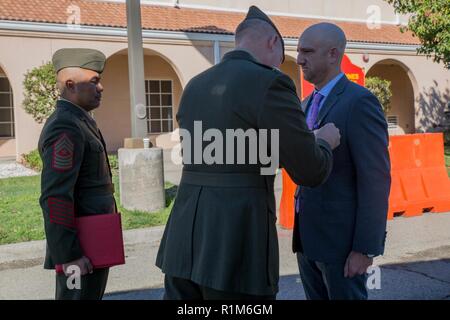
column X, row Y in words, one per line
column 382, row 90
column 33, row 160
column 40, row 92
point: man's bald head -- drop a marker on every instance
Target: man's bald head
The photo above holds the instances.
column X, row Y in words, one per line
column 261, row 39
column 252, row 30
column 327, row 35
column 80, row 86
column 74, row 74
column 321, row 48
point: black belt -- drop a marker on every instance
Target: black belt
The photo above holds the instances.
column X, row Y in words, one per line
column 227, row 180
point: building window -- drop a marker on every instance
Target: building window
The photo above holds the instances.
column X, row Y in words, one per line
column 6, row 109
column 392, row 122
column 159, row 99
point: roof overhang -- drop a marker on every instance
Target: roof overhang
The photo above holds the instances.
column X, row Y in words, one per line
column 83, row 30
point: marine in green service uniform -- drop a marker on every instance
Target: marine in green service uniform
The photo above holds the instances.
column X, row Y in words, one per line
column 220, row 241
column 76, row 176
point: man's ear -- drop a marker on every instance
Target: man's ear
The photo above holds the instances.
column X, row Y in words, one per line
column 70, row 85
column 334, row 54
column 273, row 41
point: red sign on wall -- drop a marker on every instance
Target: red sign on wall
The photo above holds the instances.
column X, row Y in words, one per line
column 353, row 73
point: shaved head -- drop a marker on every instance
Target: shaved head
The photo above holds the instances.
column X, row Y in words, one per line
column 327, row 35
column 80, row 86
column 261, row 39
column 72, row 73
column 321, row 48
column 253, row 29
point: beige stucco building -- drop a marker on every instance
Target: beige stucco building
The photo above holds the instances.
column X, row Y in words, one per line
column 181, row 42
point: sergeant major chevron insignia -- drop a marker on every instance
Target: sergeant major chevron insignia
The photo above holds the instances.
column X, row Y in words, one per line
column 63, row 154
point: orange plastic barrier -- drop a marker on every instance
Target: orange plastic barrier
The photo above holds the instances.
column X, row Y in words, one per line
column 397, row 202
column 434, row 175
column 418, row 162
column 419, row 178
column 287, row 201
column 407, row 154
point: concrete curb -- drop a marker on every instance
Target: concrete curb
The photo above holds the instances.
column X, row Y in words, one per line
column 419, row 234
column 34, row 250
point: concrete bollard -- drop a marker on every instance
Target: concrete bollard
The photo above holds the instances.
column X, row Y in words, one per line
column 141, row 176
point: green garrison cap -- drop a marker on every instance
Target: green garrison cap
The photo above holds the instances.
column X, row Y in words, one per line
column 255, row 13
column 79, row 57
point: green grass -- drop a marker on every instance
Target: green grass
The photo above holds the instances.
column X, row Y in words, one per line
column 21, row 216
column 138, row 219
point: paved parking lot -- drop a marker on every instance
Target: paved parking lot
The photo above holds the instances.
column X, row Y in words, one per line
column 416, row 265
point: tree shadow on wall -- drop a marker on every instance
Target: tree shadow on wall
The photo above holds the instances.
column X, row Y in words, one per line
column 432, row 104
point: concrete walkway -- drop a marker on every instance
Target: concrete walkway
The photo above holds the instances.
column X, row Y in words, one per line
column 10, row 168
column 416, row 265
column 7, row 159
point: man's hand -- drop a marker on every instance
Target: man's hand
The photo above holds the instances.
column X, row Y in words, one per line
column 357, row 263
column 330, row 134
column 83, row 263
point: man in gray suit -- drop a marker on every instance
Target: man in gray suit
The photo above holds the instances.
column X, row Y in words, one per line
column 221, row 240
column 340, row 225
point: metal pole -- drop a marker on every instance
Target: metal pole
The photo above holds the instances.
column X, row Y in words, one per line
column 216, row 52
column 136, row 70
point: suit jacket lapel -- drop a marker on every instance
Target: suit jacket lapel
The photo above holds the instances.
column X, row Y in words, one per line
column 306, row 104
column 332, row 99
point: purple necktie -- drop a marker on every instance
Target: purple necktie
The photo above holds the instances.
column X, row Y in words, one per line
column 314, row 110
column 310, row 121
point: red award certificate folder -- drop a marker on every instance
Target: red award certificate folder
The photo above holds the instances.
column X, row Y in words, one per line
column 101, row 239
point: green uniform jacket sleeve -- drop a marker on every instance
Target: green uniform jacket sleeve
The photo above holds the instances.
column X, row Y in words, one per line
column 61, row 150
column 308, row 162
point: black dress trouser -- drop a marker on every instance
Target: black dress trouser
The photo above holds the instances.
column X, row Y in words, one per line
column 183, row 289
column 92, row 286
